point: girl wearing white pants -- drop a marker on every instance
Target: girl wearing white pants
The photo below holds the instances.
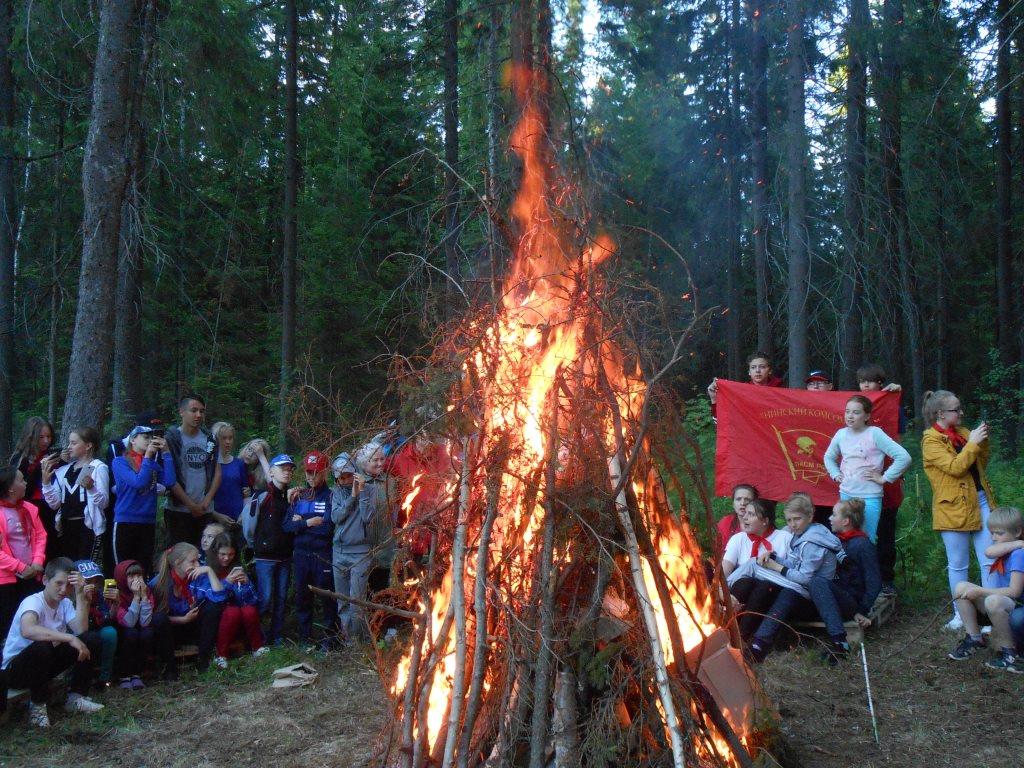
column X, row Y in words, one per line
column 954, row 460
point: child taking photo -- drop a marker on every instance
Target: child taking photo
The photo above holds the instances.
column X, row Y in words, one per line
column 863, row 449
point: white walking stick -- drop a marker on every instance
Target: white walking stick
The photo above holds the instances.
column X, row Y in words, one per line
column 867, row 683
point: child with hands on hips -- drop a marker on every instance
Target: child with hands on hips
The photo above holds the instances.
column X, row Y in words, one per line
column 863, row 449
column 1006, row 578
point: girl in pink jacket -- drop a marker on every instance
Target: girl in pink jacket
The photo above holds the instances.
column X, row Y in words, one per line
column 22, row 546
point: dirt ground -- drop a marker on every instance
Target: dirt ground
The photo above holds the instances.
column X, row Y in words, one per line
column 931, row 712
column 218, row 719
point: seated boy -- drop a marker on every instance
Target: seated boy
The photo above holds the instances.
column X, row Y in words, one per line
column 48, row 636
column 998, row 601
column 804, row 574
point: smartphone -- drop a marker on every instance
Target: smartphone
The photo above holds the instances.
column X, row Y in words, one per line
column 109, row 584
column 159, row 432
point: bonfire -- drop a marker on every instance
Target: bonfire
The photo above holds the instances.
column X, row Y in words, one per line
column 569, row 614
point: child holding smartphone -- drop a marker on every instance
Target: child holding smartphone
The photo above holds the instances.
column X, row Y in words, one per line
column 78, row 492
column 241, row 614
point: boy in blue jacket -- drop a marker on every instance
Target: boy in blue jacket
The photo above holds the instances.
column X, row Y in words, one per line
column 309, row 518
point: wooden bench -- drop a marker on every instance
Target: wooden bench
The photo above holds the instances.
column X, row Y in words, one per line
column 883, row 610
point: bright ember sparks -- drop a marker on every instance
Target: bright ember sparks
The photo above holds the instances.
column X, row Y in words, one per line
column 536, row 360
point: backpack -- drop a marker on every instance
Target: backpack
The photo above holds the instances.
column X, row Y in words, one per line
column 250, row 514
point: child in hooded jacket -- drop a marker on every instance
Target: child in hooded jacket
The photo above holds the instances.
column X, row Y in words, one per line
column 353, row 512
column 804, row 575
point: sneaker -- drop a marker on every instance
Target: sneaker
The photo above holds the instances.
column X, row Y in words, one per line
column 38, row 716
column 126, row 684
column 1007, row 662
column 261, row 652
column 955, row 624
column 137, row 683
column 76, row 702
column 967, row 648
column 220, row 662
column 757, row 653
column 888, row 588
column 835, row 652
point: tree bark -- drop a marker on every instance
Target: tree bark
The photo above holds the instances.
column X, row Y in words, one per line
column 450, row 67
column 492, row 144
column 104, row 176
column 57, row 246
column 1006, row 329
column 8, row 228
column 289, row 255
column 857, row 31
column 127, row 394
column 897, row 231
column 759, row 163
column 796, row 156
column 734, row 301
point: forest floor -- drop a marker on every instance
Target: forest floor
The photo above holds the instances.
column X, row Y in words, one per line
column 931, row 712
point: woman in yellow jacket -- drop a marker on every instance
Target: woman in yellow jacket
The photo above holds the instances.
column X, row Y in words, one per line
column 954, row 461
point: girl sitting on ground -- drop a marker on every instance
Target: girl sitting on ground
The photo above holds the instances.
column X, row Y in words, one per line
column 863, row 449
column 193, row 612
column 804, row 573
column 755, row 596
column 141, row 630
column 858, row 580
column 241, row 614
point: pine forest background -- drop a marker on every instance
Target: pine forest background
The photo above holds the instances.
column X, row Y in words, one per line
column 278, row 204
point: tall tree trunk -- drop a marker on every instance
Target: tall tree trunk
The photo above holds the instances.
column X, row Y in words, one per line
column 492, row 143
column 290, row 234
column 1006, row 329
column 450, row 67
column 104, row 175
column 522, row 33
column 796, row 157
column 897, row 231
column 941, row 291
column 851, row 344
column 127, row 395
column 735, row 303
column 8, row 228
column 57, row 246
column 759, row 163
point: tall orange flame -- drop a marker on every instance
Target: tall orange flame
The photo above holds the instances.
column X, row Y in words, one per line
column 539, row 357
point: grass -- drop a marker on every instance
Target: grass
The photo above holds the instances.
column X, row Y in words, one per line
column 219, row 718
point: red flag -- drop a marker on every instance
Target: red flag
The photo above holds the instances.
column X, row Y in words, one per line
column 775, row 439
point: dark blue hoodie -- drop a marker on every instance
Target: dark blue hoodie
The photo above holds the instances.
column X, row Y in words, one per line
column 859, row 575
column 312, row 502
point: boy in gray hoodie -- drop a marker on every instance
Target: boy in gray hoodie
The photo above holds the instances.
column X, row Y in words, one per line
column 804, row 574
column 352, row 512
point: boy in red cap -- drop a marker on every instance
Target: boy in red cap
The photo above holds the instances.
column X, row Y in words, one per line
column 309, row 518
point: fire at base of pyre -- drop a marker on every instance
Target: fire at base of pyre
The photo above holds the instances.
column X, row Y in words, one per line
column 569, row 620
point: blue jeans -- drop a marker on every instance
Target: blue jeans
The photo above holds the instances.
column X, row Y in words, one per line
column 872, row 514
column 313, row 568
column 791, row 604
column 272, row 578
column 1017, row 627
column 351, row 574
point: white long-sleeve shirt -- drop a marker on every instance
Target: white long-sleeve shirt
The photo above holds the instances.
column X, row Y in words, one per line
column 862, row 453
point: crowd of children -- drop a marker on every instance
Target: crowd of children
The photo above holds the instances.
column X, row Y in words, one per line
column 243, row 548
column 832, row 570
